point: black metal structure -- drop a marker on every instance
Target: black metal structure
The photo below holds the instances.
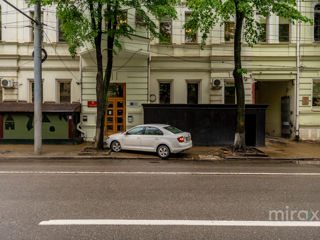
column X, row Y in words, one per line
column 210, row 124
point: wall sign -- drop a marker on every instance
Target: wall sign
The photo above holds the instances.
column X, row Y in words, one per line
column 92, row 104
column 305, row 100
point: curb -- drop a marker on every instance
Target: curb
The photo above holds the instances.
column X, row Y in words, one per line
column 233, row 159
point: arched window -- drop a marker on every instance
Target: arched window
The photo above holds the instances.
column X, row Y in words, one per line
column 317, row 22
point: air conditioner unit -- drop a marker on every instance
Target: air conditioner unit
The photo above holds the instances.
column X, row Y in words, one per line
column 7, row 83
column 216, row 84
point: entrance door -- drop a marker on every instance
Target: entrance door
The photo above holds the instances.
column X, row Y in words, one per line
column 115, row 120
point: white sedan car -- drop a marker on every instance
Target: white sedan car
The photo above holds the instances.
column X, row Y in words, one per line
column 160, row 138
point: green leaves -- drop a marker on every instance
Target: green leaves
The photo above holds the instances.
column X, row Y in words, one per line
column 82, row 21
column 242, row 71
column 208, row 13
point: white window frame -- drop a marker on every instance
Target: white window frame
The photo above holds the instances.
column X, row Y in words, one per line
column 170, row 81
column 229, row 81
column 278, row 31
column 193, row 81
column 171, row 33
column 58, row 81
column 258, row 16
column 58, row 31
column 313, row 17
column 184, row 32
column 30, row 81
column 224, row 31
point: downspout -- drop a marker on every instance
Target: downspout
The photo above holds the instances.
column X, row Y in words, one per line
column 81, row 90
column 149, row 69
column 297, row 134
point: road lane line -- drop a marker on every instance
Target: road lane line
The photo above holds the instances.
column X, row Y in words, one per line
column 124, row 222
column 167, row 173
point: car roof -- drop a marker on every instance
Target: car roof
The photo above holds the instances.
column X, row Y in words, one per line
column 153, row 125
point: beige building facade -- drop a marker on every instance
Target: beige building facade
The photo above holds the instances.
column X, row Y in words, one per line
column 60, row 74
column 183, row 73
column 283, row 71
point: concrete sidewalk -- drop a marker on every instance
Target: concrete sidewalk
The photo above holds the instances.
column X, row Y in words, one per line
column 275, row 149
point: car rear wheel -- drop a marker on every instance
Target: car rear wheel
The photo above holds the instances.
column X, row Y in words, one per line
column 115, row 146
column 163, row 151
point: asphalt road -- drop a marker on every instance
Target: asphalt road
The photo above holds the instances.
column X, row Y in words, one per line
column 177, row 193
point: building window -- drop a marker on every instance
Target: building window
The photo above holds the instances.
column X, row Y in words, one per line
column 316, row 93
column 166, row 30
column 190, row 36
column 193, row 93
column 32, row 91
column 164, row 93
column 64, row 91
column 263, row 33
column 139, row 20
column 60, row 32
column 284, row 30
column 32, row 25
column 122, row 19
column 229, row 93
column 229, row 30
column 317, row 22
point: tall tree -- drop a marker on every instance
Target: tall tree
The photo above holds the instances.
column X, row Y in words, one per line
column 82, row 22
column 208, row 13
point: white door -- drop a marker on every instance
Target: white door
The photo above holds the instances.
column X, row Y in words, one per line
column 132, row 138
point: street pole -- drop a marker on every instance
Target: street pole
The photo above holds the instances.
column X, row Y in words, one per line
column 37, row 79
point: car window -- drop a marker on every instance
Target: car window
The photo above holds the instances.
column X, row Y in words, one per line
column 173, row 129
column 153, row 131
column 136, row 131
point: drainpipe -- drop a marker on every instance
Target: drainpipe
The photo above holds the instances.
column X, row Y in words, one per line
column 84, row 135
column 149, row 71
column 298, row 74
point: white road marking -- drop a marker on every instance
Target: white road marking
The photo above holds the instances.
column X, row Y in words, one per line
column 167, row 173
column 120, row 222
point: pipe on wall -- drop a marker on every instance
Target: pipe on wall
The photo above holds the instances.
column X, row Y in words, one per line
column 298, row 75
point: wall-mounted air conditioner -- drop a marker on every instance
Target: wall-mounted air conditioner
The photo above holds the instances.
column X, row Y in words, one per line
column 216, row 84
column 7, row 83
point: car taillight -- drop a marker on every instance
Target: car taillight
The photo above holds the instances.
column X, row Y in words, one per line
column 181, row 139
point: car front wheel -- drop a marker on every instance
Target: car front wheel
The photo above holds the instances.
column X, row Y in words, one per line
column 163, row 151
column 115, row 146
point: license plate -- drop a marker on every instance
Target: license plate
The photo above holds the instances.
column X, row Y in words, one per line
column 188, row 139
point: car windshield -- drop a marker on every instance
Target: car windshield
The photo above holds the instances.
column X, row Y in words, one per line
column 173, row 129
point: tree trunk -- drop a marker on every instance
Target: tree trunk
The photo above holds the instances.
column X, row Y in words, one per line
column 103, row 87
column 108, row 70
column 239, row 140
column 100, row 97
column 97, row 24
